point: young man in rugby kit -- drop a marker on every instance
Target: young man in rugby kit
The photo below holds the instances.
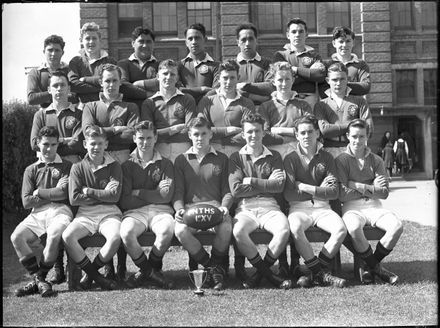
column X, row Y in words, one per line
column 364, row 182
column 201, row 175
column 147, row 191
column 256, row 178
column 95, row 186
column 311, row 182
column 44, row 190
column 170, row 110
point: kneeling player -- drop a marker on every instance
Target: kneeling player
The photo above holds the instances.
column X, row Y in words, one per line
column 95, row 186
column 147, row 189
column 201, row 175
column 256, row 176
column 364, row 182
column 311, row 182
column 45, row 191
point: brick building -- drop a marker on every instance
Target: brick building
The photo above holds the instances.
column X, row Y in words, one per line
column 397, row 39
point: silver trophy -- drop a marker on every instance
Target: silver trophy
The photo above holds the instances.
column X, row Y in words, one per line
column 198, row 277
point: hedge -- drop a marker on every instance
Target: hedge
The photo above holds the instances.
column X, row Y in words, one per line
column 17, row 152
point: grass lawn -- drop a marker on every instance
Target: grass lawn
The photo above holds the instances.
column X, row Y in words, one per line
column 413, row 302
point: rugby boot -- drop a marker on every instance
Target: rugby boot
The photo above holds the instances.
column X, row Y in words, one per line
column 283, row 270
column 240, row 273
column 218, row 273
column 58, row 275
column 137, row 279
column 253, row 281
column 159, row 279
column 109, row 271
column 86, row 282
column 278, row 281
column 105, row 283
column 325, row 278
column 28, row 289
column 365, row 275
column 385, row 275
column 209, row 281
column 44, row 288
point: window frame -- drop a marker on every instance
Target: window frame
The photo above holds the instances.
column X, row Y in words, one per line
column 156, row 30
column 394, row 9
column 209, row 28
column 405, row 101
column 329, row 29
column 120, row 19
column 432, row 100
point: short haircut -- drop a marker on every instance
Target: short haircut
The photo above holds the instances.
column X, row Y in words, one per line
column 252, row 118
column 246, row 26
column 89, row 27
column 337, row 67
column 307, row 119
column 56, row 39
column 199, row 122
column 358, row 123
column 197, row 26
column 228, row 65
column 140, row 30
column 59, row 73
column 296, row 20
column 49, row 132
column 145, row 125
column 342, row 32
column 280, row 66
column 167, row 63
column 110, row 68
column 94, row 131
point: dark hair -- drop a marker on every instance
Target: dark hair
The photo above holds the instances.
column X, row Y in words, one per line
column 49, row 132
column 296, row 20
column 110, row 68
column 307, row 119
column 145, row 125
column 94, row 131
column 228, row 65
column 342, row 32
column 54, row 39
column 197, row 26
column 167, row 63
column 252, row 118
column 140, row 30
column 358, row 123
column 59, row 73
column 337, row 67
column 199, row 122
column 246, row 26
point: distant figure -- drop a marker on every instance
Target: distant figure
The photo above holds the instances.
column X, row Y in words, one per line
column 387, row 152
column 401, row 153
column 412, row 158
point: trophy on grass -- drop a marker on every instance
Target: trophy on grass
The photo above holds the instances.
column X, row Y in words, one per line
column 198, row 277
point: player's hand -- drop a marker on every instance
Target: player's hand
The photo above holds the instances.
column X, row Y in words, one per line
column 66, row 140
column 205, row 88
column 62, row 182
column 119, row 129
column 241, row 85
column 277, row 130
column 35, row 193
column 299, row 185
column 82, row 79
column 112, row 185
column 225, row 212
column 139, row 84
column 85, row 191
column 329, row 181
column 164, row 185
column 177, row 128
column 277, row 174
column 179, row 215
column 380, row 181
column 233, row 130
column 352, row 185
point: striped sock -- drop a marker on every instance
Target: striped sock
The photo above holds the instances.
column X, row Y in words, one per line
column 202, row 257
column 143, row 264
column 369, row 257
column 381, row 252
column 88, row 267
column 44, row 269
column 261, row 266
column 314, row 265
column 156, row 261
column 99, row 262
column 269, row 259
column 30, row 264
column 324, row 259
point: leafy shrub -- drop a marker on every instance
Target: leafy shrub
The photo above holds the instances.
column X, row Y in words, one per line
column 17, row 153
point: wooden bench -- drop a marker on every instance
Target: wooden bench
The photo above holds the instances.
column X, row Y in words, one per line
column 205, row 237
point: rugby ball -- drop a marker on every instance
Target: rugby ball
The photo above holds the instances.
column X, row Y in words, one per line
column 202, row 216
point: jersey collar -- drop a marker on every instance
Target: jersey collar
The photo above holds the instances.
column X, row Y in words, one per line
column 246, row 151
column 51, row 108
column 207, row 58
column 56, row 160
column 240, row 58
column 354, row 58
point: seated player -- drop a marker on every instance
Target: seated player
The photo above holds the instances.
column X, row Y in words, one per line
column 147, row 190
column 311, row 182
column 256, row 177
column 282, row 110
column 45, row 192
column 201, row 175
column 358, row 69
column 95, row 186
column 364, row 182
column 170, row 111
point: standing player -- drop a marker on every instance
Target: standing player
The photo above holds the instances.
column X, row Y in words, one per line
column 45, row 191
column 170, row 111
column 95, row 186
column 306, row 62
column 364, row 182
column 140, row 69
column 358, row 69
column 256, row 176
column 38, row 78
column 147, row 190
column 311, row 182
column 201, row 175
column 197, row 71
column 83, row 69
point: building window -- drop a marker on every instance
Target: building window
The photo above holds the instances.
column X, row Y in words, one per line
column 402, row 15
column 406, row 86
column 430, row 86
column 307, row 12
column 338, row 14
column 200, row 12
column 269, row 17
column 165, row 18
column 429, row 15
column 129, row 17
